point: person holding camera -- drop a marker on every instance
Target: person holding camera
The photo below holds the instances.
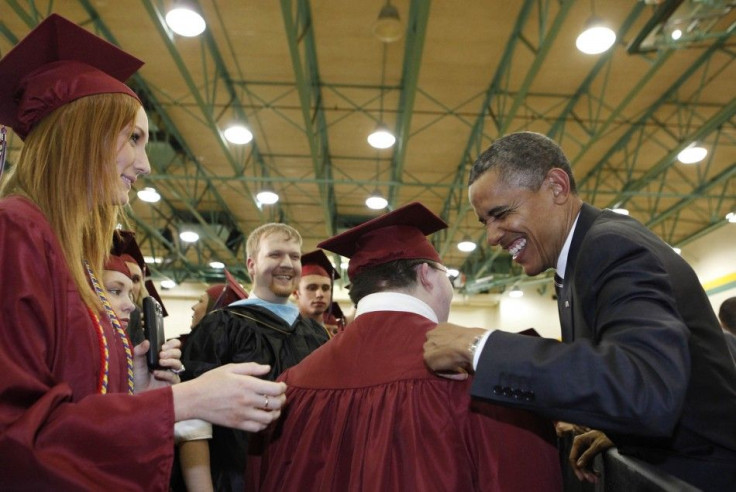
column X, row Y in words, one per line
column 78, row 405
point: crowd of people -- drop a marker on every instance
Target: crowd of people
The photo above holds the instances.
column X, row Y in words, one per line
column 270, row 394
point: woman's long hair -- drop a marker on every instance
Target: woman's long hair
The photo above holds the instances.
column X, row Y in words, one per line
column 67, row 167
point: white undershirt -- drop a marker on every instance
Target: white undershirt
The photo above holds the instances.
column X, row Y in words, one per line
column 395, row 301
column 561, row 265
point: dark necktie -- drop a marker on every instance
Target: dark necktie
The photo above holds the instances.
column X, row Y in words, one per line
column 563, row 308
column 558, row 285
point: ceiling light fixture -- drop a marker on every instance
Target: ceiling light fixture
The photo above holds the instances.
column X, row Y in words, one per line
column 152, row 259
column 388, row 26
column 149, row 195
column 218, row 265
column 376, row 201
column 189, row 236
column 466, row 245
column 516, row 292
column 267, row 197
column 167, row 284
column 238, row 134
column 597, row 37
column 731, row 217
column 692, row 154
column 381, row 138
column 185, row 21
column 453, row 272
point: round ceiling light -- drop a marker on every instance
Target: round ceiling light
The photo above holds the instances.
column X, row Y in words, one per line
column 185, row 22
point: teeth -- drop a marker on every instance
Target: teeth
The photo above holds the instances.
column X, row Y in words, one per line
column 516, row 247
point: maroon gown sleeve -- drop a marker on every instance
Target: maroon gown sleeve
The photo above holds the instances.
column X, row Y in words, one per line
column 56, row 431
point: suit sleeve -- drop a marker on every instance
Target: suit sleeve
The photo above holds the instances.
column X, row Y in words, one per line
column 628, row 375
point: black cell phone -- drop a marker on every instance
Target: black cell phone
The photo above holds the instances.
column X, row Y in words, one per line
column 135, row 330
column 153, row 329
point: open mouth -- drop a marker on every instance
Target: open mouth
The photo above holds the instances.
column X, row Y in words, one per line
column 517, row 247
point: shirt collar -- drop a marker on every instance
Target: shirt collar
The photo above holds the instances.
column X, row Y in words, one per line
column 562, row 259
column 395, row 301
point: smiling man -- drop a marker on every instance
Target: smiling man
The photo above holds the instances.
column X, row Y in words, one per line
column 643, row 357
column 264, row 328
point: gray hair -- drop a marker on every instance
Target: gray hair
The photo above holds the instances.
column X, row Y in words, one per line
column 523, row 160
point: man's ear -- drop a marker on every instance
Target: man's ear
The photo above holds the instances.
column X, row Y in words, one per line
column 558, row 182
column 423, row 276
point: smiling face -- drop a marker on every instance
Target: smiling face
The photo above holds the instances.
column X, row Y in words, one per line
column 531, row 225
column 314, row 296
column 275, row 268
column 131, row 159
column 119, row 290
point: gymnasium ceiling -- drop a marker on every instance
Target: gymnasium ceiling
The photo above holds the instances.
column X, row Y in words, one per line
column 311, row 81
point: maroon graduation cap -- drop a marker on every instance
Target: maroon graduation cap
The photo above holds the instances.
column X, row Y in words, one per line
column 231, row 292
column 397, row 235
column 56, row 63
column 118, row 264
column 316, row 263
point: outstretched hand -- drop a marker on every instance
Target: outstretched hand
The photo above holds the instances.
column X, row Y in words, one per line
column 230, row 396
column 446, row 351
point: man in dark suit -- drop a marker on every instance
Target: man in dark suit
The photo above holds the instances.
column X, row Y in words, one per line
column 643, row 357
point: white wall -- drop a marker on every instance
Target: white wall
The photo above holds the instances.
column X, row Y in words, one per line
column 713, row 258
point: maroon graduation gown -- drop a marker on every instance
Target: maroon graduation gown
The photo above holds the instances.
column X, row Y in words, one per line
column 364, row 413
column 56, row 431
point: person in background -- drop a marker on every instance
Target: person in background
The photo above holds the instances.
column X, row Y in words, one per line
column 125, row 245
column 79, row 409
column 194, row 451
column 643, row 358
column 335, row 320
column 727, row 317
column 118, row 281
column 264, row 328
column 217, row 296
column 363, row 412
column 314, row 294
